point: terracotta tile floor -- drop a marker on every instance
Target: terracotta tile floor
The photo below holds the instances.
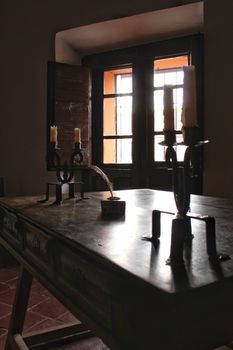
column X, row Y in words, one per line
column 43, row 311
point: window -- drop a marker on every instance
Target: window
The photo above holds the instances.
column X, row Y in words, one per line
column 127, row 109
column 117, row 116
column 168, row 71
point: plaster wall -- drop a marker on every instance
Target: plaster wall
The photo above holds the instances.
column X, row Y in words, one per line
column 27, row 33
column 28, row 30
column 218, row 172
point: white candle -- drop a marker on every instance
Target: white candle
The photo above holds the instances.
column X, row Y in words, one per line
column 168, row 110
column 77, row 135
column 53, row 134
column 189, row 110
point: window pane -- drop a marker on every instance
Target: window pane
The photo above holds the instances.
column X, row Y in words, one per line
column 169, row 70
column 174, row 77
column 109, row 122
column 180, row 77
column 117, row 116
column 170, row 78
column 124, row 115
column 171, row 62
column 158, row 79
column 159, row 151
column 123, row 83
column 158, row 110
column 180, row 150
column 118, row 151
column 118, row 81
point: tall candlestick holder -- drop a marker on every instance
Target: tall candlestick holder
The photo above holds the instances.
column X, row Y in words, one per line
column 64, row 172
column 181, row 231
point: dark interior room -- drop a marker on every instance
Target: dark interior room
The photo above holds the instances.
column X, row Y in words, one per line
column 116, row 201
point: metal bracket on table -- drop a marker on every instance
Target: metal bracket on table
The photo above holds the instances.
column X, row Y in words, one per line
column 182, row 232
column 58, row 190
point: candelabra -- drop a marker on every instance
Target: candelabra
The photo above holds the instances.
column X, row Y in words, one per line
column 181, row 175
column 181, row 181
column 64, row 172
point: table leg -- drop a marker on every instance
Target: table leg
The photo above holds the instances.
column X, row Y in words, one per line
column 19, row 308
column 54, row 336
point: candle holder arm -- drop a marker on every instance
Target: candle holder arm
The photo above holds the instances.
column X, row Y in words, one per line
column 65, row 172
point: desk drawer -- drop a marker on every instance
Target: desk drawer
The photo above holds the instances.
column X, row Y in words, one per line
column 85, row 284
column 9, row 228
column 37, row 247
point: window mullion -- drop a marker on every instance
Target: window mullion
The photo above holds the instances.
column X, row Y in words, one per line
column 117, row 99
column 142, row 110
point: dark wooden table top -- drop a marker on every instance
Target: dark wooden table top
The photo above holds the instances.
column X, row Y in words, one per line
column 118, row 242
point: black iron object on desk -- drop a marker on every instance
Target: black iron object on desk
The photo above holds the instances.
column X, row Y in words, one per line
column 181, row 176
column 181, row 181
column 64, row 172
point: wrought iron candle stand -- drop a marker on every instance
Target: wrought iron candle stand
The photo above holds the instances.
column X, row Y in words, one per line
column 181, row 225
column 65, row 172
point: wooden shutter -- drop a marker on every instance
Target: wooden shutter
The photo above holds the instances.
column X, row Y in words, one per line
column 69, row 107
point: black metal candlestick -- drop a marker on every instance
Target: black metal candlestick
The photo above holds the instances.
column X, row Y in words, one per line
column 181, row 175
column 181, row 179
column 64, row 172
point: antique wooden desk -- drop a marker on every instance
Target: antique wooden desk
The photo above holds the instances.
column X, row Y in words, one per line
column 117, row 284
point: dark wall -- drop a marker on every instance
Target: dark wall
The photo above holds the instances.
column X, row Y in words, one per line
column 218, row 98
column 27, row 33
